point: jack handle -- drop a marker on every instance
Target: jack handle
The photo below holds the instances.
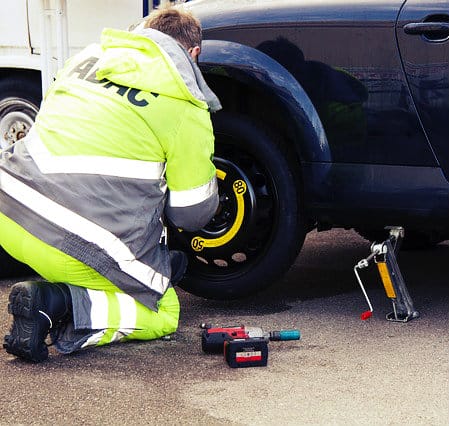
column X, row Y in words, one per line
column 364, row 263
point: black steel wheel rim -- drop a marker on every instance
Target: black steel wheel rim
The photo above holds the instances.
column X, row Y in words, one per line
column 225, row 258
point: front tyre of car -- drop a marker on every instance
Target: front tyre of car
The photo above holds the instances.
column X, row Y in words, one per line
column 258, row 230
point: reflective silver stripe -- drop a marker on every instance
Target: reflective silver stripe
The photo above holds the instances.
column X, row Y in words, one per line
column 99, row 314
column 128, row 313
column 99, row 309
column 84, row 228
column 120, row 334
column 90, row 164
column 190, row 197
column 94, row 339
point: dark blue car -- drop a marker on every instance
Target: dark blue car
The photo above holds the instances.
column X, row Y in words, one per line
column 335, row 114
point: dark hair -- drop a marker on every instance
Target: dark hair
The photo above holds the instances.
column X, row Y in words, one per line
column 177, row 23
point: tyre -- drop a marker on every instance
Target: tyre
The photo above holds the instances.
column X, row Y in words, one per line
column 20, row 97
column 257, row 231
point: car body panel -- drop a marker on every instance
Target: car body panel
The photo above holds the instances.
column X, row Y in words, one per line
column 425, row 57
column 250, row 66
column 375, row 195
column 385, row 159
column 363, row 100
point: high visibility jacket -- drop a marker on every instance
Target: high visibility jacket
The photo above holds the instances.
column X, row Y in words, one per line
column 123, row 122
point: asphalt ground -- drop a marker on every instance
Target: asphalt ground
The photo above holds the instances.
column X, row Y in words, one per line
column 343, row 371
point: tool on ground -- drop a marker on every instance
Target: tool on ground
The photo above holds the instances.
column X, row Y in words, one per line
column 242, row 346
column 384, row 256
column 250, row 352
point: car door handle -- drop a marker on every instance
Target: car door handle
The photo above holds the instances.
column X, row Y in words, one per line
column 428, row 28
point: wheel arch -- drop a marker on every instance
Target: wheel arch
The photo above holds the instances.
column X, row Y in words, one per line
column 249, row 82
column 28, row 73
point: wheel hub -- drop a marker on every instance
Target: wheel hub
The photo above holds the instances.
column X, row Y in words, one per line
column 16, row 118
column 222, row 236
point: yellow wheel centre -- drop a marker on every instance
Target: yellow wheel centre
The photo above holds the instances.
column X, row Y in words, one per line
column 239, row 189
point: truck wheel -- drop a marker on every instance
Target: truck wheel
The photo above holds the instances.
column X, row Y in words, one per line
column 257, row 231
column 20, row 98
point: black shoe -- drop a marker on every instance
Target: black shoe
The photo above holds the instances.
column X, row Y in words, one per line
column 36, row 307
column 179, row 262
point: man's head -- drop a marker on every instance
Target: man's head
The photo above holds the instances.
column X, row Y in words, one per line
column 179, row 24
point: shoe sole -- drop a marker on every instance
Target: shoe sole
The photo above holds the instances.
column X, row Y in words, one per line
column 21, row 341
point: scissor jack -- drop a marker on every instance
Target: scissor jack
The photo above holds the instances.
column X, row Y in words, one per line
column 384, row 256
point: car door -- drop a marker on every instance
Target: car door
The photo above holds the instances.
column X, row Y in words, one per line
column 423, row 38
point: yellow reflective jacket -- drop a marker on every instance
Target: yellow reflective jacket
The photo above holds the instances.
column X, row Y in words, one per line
column 125, row 120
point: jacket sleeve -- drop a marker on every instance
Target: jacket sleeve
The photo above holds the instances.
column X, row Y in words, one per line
column 190, row 172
